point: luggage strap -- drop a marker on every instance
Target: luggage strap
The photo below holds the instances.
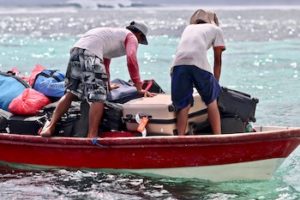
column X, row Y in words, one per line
column 51, row 73
column 26, row 85
column 149, row 85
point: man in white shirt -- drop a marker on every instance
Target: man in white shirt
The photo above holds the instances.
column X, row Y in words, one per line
column 192, row 69
column 88, row 76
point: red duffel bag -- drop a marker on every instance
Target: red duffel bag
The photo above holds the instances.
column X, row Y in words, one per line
column 28, row 103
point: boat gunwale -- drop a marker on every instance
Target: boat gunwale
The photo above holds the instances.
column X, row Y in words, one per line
column 272, row 135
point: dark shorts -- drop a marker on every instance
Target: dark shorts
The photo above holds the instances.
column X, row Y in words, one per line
column 184, row 78
column 86, row 76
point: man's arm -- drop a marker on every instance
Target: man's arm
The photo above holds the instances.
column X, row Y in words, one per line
column 131, row 45
column 218, row 61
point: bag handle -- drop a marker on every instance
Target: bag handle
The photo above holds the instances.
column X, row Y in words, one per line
column 149, row 84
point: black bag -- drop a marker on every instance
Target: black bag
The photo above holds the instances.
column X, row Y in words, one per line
column 26, row 125
column 111, row 121
column 232, row 124
column 237, row 103
column 4, row 116
column 229, row 124
column 74, row 123
column 16, row 124
column 202, row 128
column 112, row 118
column 65, row 127
column 81, row 126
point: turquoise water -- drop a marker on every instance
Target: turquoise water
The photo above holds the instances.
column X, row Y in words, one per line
column 262, row 58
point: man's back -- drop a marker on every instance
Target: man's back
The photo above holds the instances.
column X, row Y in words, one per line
column 195, row 41
column 104, row 42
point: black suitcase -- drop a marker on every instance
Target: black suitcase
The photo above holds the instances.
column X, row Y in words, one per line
column 112, row 117
column 26, row 125
column 237, row 103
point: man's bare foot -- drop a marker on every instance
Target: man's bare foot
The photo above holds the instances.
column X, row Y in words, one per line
column 46, row 130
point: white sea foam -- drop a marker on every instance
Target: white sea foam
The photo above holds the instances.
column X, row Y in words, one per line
column 94, row 4
column 72, row 6
column 36, row 10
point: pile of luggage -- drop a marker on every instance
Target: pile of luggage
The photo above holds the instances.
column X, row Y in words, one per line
column 25, row 105
column 23, row 98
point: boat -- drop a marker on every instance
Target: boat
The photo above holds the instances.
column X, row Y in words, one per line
column 227, row 157
column 254, row 155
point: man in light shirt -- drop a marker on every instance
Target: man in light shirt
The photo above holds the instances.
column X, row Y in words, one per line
column 192, row 69
column 88, row 76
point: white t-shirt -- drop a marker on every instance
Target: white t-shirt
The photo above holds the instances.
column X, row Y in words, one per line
column 196, row 39
column 104, row 42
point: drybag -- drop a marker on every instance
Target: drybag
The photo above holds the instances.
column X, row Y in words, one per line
column 50, row 83
column 29, row 102
column 10, row 86
column 36, row 70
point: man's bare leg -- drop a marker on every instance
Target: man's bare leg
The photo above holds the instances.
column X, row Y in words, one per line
column 62, row 107
column 214, row 117
column 182, row 119
column 95, row 116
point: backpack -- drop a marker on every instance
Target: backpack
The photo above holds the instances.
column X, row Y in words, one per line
column 10, row 86
column 124, row 93
column 127, row 91
column 50, row 83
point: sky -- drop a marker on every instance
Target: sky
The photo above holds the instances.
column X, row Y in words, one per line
column 165, row 2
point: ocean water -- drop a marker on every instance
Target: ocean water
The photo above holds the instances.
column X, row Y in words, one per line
column 262, row 59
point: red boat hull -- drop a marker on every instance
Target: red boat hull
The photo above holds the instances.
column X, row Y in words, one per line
column 137, row 153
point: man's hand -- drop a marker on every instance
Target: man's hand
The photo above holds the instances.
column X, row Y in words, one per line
column 143, row 92
column 146, row 93
column 113, row 86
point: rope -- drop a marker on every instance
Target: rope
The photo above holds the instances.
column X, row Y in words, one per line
column 95, row 142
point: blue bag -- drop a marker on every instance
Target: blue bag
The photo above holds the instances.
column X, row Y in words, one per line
column 10, row 87
column 50, row 83
column 124, row 93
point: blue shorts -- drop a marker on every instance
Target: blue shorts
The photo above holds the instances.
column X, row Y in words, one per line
column 184, row 78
